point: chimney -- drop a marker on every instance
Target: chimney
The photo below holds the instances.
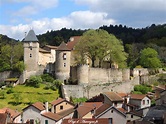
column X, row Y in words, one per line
column 46, row 106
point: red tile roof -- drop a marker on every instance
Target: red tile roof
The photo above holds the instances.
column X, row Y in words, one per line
column 122, row 94
column 57, row 101
column 101, row 109
column 66, row 112
column 52, row 116
column 83, row 110
column 92, row 104
column 13, row 113
column 87, row 107
column 73, row 41
column 113, row 96
column 137, row 96
column 122, row 110
column 3, row 118
column 38, row 105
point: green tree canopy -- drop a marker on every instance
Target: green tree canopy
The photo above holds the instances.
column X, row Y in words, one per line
column 149, row 58
column 98, row 44
column 10, row 55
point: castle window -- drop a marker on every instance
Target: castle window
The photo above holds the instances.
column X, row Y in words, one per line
column 64, row 64
column 30, row 47
column 30, row 55
column 64, row 56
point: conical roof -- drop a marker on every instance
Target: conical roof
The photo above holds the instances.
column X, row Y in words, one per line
column 31, row 36
column 63, row 47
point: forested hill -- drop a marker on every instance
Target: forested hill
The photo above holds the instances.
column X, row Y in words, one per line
column 155, row 34
column 56, row 37
column 5, row 40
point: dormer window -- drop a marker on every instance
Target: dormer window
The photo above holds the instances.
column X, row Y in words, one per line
column 64, row 56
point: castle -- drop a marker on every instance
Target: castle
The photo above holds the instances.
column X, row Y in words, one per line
column 59, row 61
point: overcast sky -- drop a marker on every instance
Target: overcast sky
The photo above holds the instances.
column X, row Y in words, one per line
column 19, row 16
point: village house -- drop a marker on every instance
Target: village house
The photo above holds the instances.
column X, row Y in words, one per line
column 161, row 96
column 113, row 99
column 112, row 113
column 12, row 115
column 86, row 109
column 60, row 105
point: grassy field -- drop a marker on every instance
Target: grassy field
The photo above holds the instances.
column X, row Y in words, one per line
column 21, row 96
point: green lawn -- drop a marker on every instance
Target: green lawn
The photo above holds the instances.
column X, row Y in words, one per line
column 27, row 95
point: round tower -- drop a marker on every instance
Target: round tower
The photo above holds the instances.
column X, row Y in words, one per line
column 31, row 51
column 62, row 65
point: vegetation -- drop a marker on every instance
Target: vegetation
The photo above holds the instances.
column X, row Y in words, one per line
column 23, row 95
column 99, row 45
column 142, row 89
column 149, row 58
column 134, row 41
column 78, row 100
column 34, row 81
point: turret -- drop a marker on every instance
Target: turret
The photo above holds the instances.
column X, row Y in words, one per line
column 62, row 66
column 31, row 51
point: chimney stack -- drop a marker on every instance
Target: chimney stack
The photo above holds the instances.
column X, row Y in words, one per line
column 46, row 106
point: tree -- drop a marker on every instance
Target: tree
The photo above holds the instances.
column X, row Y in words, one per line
column 98, row 44
column 149, row 58
column 34, row 81
column 10, row 55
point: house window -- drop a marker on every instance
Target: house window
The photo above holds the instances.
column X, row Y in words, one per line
column 64, row 64
column 61, row 107
column 46, row 121
column 30, row 55
column 143, row 102
column 31, row 121
column 112, row 111
column 148, row 102
column 110, row 120
column 131, row 116
column 115, row 104
column 64, row 56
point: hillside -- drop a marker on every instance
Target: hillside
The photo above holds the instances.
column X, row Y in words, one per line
column 21, row 96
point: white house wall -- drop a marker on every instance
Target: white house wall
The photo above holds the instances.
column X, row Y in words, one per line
column 116, row 116
column 31, row 113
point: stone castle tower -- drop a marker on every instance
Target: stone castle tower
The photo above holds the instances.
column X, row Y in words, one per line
column 31, row 52
column 62, row 65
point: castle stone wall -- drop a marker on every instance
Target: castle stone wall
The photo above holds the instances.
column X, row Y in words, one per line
column 8, row 74
column 83, row 74
column 90, row 90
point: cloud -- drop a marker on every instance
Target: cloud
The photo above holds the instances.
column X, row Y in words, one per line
column 31, row 7
column 135, row 13
column 76, row 20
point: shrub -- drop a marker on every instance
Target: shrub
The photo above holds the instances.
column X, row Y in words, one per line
column 47, row 78
column 34, row 81
column 57, row 83
column 2, row 84
column 142, row 89
column 2, row 94
column 10, row 91
column 53, row 88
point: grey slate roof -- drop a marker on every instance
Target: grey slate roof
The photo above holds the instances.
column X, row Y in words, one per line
column 63, row 47
column 31, row 36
